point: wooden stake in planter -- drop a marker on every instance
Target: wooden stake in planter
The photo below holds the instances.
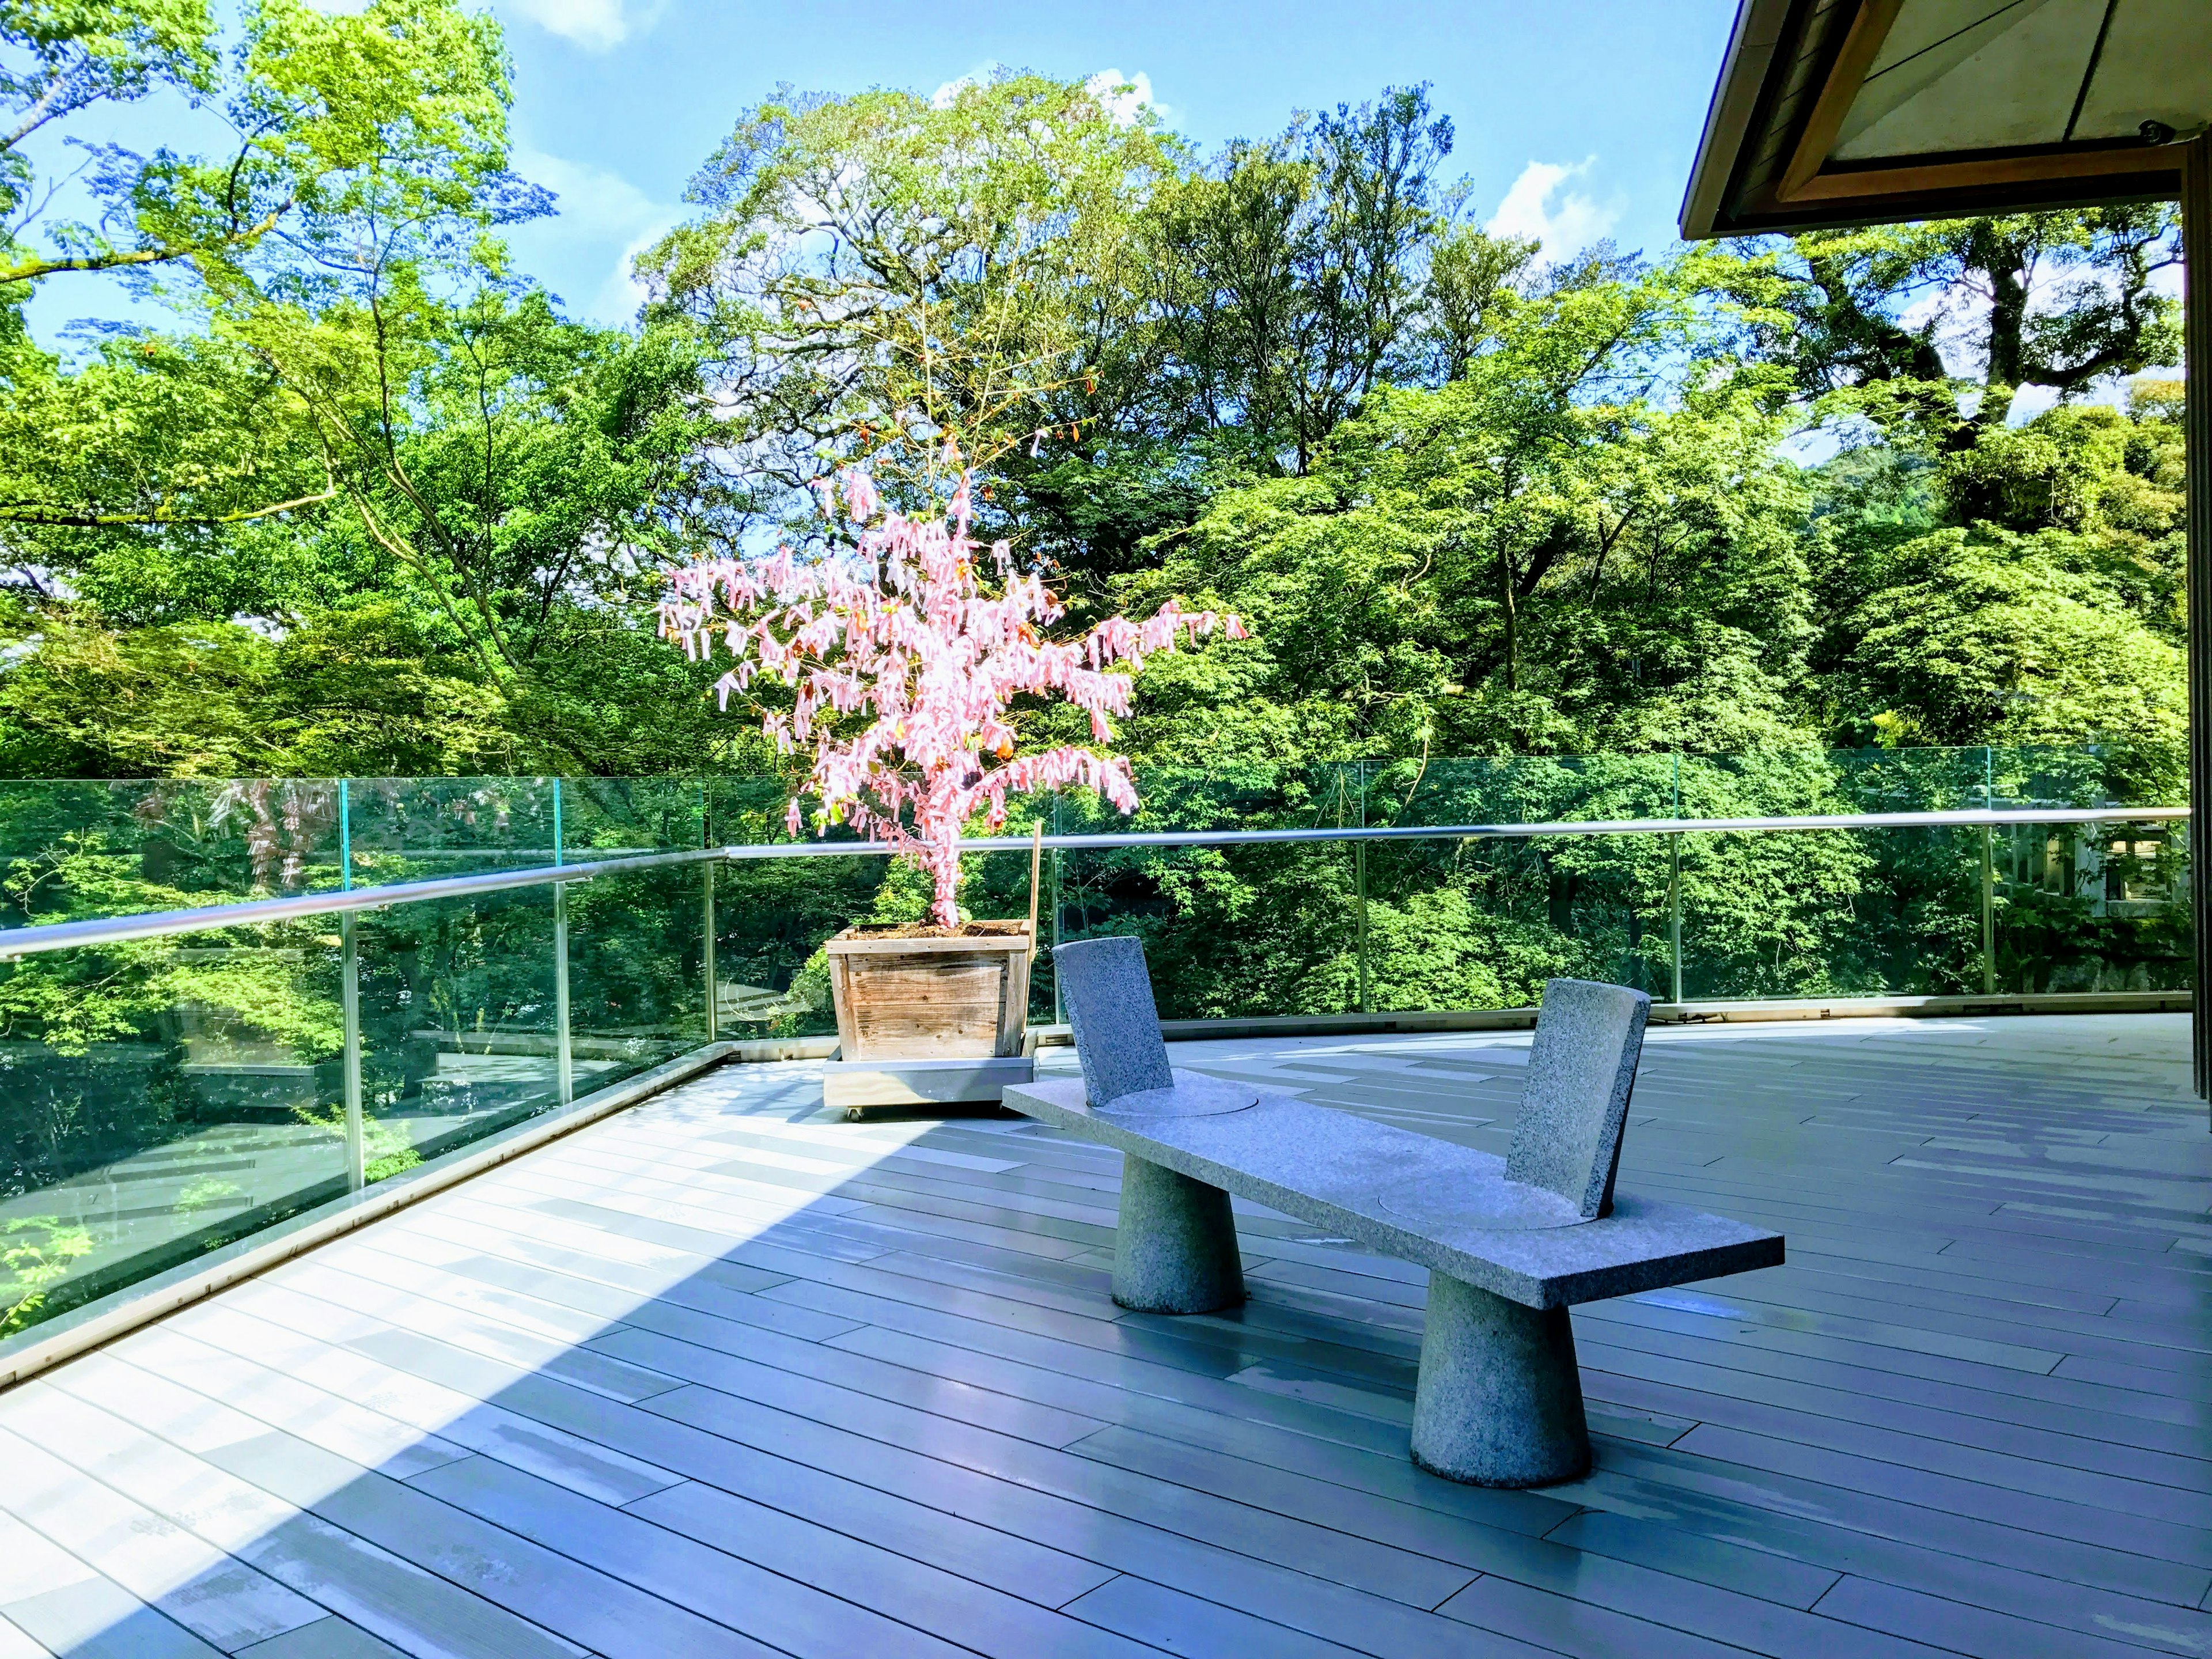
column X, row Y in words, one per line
column 1029, row 962
column 932, row 1016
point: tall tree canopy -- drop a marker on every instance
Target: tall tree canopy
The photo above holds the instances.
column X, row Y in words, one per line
column 367, row 441
column 374, row 503
column 1931, row 330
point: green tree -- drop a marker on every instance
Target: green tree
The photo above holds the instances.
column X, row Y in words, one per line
column 885, row 277
column 1537, row 556
column 504, row 462
column 1906, row 324
column 1290, row 273
column 327, row 113
column 2025, row 590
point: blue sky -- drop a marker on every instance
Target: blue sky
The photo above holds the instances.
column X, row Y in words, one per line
column 1575, row 119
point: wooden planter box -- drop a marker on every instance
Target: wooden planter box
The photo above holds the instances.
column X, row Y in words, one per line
column 929, row 1020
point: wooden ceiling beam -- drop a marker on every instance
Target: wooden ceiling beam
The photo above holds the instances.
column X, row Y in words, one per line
column 1861, row 46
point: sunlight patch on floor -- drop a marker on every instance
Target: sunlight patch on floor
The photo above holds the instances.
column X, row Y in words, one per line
column 178, row 1510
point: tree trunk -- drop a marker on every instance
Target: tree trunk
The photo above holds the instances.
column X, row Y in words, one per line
column 2002, row 263
column 1512, row 620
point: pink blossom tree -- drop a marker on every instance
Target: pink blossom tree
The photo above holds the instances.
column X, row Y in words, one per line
column 902, row 634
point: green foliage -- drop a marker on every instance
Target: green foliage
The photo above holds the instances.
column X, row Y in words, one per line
column 383, row 509
column 1535, row 556
column 1897, row 323
column 1985, row 635
column 375, row 505
column 877, row 273
column 35, row 1253
column 2033, row 594
column 397, row 108
column 1290, row 271
column 69, row 1000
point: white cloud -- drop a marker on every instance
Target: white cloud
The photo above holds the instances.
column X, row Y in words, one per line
column 593, row 200
column 1565, row 222
column 596, row 208
column 979, row 76
column 621, row 294
column 594, row 25
column 1108, row 87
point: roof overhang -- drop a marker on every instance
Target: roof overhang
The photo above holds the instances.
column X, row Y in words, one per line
column 1864, row 112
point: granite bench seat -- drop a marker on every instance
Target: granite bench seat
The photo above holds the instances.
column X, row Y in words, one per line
column 1448, row 1206
column 1510, row 1243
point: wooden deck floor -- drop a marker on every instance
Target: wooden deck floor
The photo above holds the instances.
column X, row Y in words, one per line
column 710, row 1379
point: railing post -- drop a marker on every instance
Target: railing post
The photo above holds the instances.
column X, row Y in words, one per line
column 2196, row 467
column 713, row 1020
column 1360, row 882
column 1674, row 890
column 1989, row 875
column 564, row 1058
column 356, row 1155
column 706, row 952
column 1058, row 1010
column 1988, row 915
column 1674, row 912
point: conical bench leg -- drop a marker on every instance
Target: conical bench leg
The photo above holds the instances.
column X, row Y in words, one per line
column 1499, row 1401
column 1174, row 1250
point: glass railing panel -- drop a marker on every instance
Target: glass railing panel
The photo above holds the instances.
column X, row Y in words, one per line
column 2092, row 907
column 1809, row 913
column 2106, row 774
column 1887, row 780
column 772, row 918
column 609, row 818
column 637, row 987
column 1482, row 923
column 1246, row 796
column 458, row 1033
column 409, row 829
column 1779, row 783
column 995, row 887
column 1528, row 789
column 420, row 828
column 161, row 1098
column 745, row 811
column 2072, row 908
column 1229, row 932
column 72, row 849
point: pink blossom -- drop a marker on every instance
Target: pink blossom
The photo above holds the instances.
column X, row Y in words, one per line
column 902, row 668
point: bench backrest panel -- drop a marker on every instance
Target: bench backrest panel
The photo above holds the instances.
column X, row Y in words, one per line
column 1107, row 994
column 1575, row 1102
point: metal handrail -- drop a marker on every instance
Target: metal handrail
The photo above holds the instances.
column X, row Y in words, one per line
column 155, row 924
column 1969, row 818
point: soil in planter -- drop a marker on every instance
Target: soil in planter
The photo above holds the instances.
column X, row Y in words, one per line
column 931, row 930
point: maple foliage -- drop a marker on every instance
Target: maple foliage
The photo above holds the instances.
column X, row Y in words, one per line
column 903, row 665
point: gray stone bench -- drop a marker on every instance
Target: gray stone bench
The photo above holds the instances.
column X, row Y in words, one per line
column 1510, row 1243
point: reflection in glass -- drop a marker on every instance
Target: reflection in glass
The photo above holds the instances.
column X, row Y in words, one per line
column 162, row 1098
